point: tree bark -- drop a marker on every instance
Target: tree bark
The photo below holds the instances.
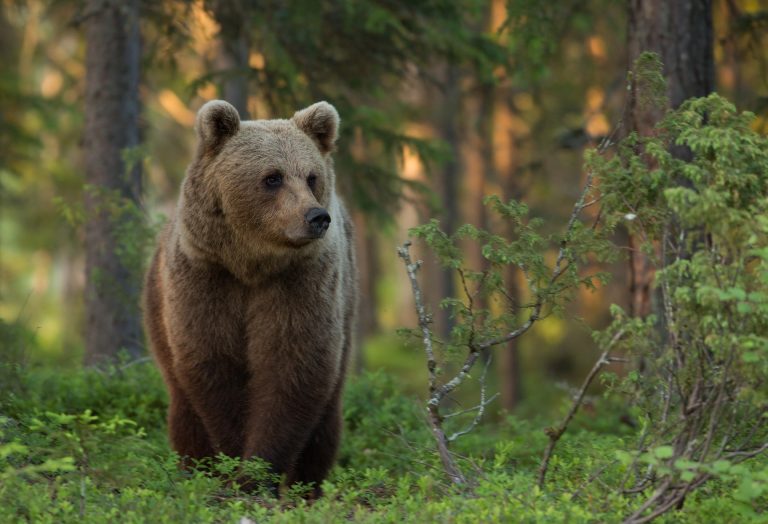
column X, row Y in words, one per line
column 509, row 362
column 495, row 138
column 234, row 52
column 680, row 32
column 111, row 127
column 368, row 274
column 450, row 118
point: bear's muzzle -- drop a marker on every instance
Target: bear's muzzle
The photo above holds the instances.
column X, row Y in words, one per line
column 318, row 221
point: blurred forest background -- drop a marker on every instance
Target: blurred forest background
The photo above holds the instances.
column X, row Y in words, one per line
column 442, row 104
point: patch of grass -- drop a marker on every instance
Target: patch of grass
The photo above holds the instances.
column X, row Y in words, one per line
column 89, row 446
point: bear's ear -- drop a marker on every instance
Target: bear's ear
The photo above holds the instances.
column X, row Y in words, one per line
column 217, row 121
column 321, row 122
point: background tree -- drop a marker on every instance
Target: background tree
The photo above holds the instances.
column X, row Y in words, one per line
column 235, row 51
column 113, row 172
column 681, row 34
column 555, row 72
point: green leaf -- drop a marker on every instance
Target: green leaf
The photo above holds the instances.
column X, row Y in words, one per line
column 687, row 476
column 744, row 308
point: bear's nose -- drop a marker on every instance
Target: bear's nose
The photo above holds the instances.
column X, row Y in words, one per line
column 319, row 220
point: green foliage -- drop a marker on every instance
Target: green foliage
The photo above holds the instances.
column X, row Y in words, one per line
column 649, row 84
column 134, row 233
column 535, row 29
column 133, row 230
column 14, row 339
column 41, row 156
column 132, row 391
column 355, row 54
column 486, row 311
column 63, row 462
column 695, row 192
column 378, row 436
column 697, row 195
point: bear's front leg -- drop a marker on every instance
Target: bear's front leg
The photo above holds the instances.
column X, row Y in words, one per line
column 187, row 431
column 283, row 412
column 319, row 453
column 216, row 390
column 206, row 347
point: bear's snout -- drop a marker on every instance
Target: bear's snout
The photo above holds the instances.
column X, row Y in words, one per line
column 318, row 220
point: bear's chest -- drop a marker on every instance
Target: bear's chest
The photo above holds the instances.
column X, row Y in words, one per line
column 297, row 320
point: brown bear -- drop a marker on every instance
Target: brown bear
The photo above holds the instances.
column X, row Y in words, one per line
column 250, row 297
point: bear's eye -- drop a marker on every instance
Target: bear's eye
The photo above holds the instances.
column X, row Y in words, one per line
column 273, row 180
column 312, row 180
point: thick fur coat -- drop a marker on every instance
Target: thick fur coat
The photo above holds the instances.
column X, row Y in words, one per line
column 250, row 298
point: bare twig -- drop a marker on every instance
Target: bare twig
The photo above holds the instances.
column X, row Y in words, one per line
column 591, row 202
column 557, row 271
column 135, row 362
column 473, row 408
column 437, row 394
column 554, row 434
column 480, row 408
column 667, row 497
column 599, row 471
column 424, row 319
column 433, row 408
column 648, row 503
column 744, row 455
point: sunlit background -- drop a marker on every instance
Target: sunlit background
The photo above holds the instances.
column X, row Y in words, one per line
column 520, row 132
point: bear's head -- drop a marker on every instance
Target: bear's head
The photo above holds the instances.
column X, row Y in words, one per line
column 271, row 182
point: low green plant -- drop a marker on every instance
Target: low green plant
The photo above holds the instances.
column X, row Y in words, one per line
column 697, row 194
column 63, row 462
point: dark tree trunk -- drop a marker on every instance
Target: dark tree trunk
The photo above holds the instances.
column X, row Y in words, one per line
column 450, row 118
column 680, row 32
column 500, row 160
column 235, row 52
column 511, row 386
column 111, row 128
column 508, row 365
column 368, row 273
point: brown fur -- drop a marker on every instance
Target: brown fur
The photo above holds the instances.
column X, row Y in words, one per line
column 249, row 320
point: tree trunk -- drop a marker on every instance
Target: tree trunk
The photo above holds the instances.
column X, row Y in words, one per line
column 680, row 32
column 450, row 118
column 501, row 169
column 368, row 274
column 234, row 52
column 501, row 159
column 511, row 385
column 111, row 128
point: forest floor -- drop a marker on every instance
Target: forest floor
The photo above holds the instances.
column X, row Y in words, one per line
column 91, row 446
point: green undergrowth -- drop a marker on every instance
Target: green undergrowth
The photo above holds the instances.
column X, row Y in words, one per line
column 90, row 446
